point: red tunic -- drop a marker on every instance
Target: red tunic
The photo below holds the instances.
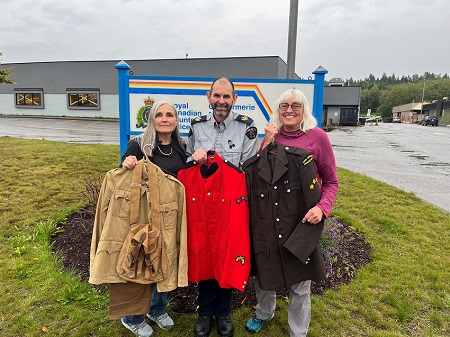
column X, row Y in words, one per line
column 217, row 222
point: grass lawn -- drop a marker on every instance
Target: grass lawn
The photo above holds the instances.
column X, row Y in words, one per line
column 404, row 291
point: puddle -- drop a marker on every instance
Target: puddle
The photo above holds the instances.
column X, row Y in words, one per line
column 344, row 146
column 419, row 156
column 438, row 164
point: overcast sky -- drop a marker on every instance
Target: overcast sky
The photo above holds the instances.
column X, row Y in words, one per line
column 350, row 38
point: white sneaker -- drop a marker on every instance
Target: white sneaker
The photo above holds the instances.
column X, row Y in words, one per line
column 164, row 321
column 140, row 330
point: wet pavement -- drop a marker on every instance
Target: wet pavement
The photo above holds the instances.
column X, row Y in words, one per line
column 82, row 130
column 410, row 157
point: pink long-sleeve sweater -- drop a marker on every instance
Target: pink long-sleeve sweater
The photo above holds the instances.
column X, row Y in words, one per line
column 316, row 141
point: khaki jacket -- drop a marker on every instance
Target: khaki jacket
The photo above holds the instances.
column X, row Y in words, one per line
column 112, row 223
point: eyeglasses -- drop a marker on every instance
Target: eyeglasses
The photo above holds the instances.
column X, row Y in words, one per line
column 294, row 106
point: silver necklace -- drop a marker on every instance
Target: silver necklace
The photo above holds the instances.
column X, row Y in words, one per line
column 165, row 154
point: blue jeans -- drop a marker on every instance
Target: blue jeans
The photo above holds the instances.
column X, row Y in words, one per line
column 157, row 307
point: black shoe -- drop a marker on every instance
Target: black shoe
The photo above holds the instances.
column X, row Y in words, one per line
column 224, row 326
column 202, row 327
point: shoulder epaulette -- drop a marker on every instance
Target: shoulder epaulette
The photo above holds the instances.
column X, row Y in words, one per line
column 189, row 164
column 308, row 158
column 199, row 119
column 242, row 118
column 229, row 163
column 251, row 160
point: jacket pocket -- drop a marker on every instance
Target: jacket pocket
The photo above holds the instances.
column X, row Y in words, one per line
column 194, row 206
column 261, row 248
column 104, row 261
column 143, row 257
column 221, row 202
column 121, row 203
column 260, row 208
column 293, row 198
column 169, row 215
column 203, row 143
column 108, row 247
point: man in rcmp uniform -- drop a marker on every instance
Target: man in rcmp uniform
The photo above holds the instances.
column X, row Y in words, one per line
column 234, row 138
column 231, row 135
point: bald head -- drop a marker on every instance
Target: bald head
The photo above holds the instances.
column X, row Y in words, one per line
column 223, row 81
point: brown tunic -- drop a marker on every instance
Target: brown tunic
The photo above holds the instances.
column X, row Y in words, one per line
column 282, row 188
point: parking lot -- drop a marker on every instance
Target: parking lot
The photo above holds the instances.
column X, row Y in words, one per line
column 411, row 157
column 62, row 129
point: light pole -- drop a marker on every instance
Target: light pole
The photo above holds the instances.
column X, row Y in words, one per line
column 421, row 107
column 292, row 38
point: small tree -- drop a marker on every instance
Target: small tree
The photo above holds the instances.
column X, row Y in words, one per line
column 5, row 73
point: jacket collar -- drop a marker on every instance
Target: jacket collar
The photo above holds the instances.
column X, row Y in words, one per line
column 280, row 166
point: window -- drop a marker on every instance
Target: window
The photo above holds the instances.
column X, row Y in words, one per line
column 29, row 98
column 83, row 99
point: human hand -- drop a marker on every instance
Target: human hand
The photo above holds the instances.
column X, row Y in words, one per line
column 200, row 156
column 314, row 216
column 130, row 162
column 269, row 134
column 270, row 131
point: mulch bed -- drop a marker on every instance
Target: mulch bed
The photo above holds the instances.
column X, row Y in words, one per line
column 350, row 253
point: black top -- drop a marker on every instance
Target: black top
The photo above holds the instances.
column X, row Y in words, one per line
column 170, row 158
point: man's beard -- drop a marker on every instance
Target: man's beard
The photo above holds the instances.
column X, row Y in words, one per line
column 222, row 113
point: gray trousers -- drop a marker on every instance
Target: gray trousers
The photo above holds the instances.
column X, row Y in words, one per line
column 299, row 307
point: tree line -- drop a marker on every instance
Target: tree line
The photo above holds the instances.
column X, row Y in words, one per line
column 5, row 73
column 382, row 94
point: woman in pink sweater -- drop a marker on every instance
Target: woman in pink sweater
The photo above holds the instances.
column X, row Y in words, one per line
column 293, row 124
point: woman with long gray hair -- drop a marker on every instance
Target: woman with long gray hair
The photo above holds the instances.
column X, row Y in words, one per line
column 162, row 144
column 161, row 140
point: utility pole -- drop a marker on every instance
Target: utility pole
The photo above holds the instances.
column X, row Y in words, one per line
column 423, row 93
column 292, row 38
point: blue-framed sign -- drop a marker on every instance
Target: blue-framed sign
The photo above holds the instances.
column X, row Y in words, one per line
column 137, row 93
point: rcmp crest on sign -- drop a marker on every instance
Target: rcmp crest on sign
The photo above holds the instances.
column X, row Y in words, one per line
column 142, row 115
